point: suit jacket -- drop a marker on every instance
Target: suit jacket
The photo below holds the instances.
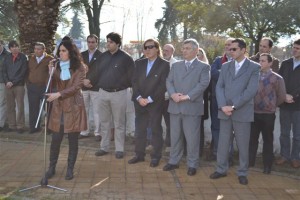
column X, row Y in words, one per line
column 91, row 65
column 192, row 83
column 292, row 83
column 238, row 90
column 153, row 85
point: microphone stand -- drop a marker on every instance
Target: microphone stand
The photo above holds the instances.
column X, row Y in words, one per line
column 44, row 181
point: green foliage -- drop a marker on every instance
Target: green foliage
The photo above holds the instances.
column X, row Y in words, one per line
column 251, row 19
column 76, row 30
column 167, row 26
column 8, row 20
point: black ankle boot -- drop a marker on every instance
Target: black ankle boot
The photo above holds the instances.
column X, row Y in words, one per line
column 51, row 172
column 69, row 174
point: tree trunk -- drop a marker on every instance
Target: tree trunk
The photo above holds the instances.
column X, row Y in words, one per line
column 38, row 21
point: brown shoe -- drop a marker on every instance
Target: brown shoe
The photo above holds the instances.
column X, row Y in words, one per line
column 295, row 163
column 281, row 161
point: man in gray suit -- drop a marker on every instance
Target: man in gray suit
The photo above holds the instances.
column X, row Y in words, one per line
column 186, row 83
column 235, row 90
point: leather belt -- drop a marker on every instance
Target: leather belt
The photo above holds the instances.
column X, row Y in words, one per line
column 112, row 90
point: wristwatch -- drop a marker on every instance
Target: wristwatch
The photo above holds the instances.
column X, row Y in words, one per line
column 233, row 107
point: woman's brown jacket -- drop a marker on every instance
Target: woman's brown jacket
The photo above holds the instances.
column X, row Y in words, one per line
column 68, row 109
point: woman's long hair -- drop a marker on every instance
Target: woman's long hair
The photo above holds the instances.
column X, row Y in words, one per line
column 74, row 54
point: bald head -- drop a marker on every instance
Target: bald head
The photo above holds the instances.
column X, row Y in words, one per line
column 227, row 46
column 168, row 51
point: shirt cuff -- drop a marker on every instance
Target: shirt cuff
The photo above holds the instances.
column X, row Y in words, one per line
column 138, row 97
column 149, row 99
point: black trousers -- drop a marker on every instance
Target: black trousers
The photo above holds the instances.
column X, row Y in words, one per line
column 263, row 123
column 35, row 95
column 166, row 116
column 152, row 119
column 55, row 147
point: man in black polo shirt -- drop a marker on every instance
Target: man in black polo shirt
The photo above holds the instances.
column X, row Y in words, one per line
column 113, row 77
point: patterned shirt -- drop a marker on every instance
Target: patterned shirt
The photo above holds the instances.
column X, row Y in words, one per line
column 271, row 92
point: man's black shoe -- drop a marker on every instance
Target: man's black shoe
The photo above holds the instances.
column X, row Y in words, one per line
column 11, row 130
column 101, row 153
column 98, row 138
column 217, row 175
column 136, row 159
column 119, row 154
column 169, row 167
column 20, row 131
column 154, row 163
column 191, row 171
column 243, row 180
column 267, row 170
column 35, row 130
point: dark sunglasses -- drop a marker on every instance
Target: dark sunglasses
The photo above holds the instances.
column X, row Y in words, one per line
column 233, row 49
column 149, row 47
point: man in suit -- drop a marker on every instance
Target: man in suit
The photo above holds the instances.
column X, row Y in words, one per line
column 215, row 121
column 149, row 87
column 235, row 90
column 186, row 84
column 290, row 109
column 89, row 91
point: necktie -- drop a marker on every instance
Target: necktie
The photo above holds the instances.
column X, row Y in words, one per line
column 187, row 64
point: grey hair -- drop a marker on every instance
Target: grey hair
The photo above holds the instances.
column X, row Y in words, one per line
column 192, row 41
column 41, row 44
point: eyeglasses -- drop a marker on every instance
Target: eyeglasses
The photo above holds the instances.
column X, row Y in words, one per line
column 149, row 47
column 91, row 42
column 233, row 49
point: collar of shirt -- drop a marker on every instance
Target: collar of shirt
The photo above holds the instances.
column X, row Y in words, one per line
column 264, row 74
column 296, row 63
column 191, row 61
column 240, row 63
column 91, row 54
column 14, row 56
column 39, row 59
column 149, row 65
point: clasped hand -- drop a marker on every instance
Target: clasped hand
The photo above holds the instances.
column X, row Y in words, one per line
column 179, row 97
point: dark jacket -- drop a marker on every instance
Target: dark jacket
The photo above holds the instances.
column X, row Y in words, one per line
column 153, row 85
column 70, row 105
column 292, row 83
column 15, row 71
column 91, row 66
column 2, row 56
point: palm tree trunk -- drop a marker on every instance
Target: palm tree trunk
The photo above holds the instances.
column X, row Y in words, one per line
column 38, row 21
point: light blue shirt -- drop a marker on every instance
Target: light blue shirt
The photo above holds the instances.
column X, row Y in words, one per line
column 149, row 66
column 296, row 63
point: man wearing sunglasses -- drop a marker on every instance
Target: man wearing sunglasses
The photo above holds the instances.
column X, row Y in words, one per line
column 149, row 87
column 235, row 90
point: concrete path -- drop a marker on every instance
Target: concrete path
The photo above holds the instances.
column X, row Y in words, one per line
column 107, row 178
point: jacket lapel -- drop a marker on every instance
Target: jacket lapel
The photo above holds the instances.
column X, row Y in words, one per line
column 191, row 68
column 243, row 68
column 153, row 68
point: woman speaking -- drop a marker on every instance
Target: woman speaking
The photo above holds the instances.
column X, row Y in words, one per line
column 67, row 113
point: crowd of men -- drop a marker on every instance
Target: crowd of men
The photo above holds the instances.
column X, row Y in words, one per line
column 244, row 95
